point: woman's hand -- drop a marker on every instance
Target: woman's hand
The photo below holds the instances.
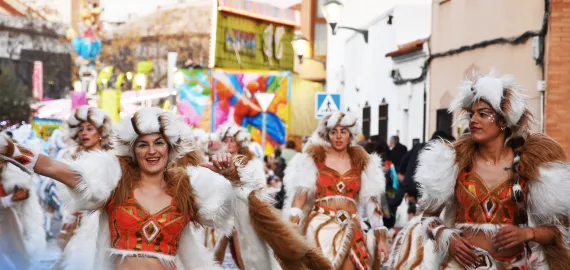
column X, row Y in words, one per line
column 511, row 236
column 20, row 194
column 295, row 219
column 383, row 251
column 462, row 251
column 223, row 164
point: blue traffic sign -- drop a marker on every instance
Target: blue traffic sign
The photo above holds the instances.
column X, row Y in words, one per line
column 326, row 103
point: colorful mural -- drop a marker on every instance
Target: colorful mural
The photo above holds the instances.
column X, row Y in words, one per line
column 234, row 100
column 195, row 103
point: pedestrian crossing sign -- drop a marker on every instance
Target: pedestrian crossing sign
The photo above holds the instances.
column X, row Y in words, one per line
column 326, row 103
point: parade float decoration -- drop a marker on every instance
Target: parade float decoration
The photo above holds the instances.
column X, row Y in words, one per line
column 87, row 45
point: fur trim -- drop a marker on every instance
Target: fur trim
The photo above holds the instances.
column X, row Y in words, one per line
column 95, row 116
column 503, row 94
column 436, row 174
column 151, row 121
column 240, row 134
column 342, row 119
column 31, row 217
column 300, row 177
column 253, row 173
column 194, row 255
column 214, row 194
column 88, row 248
column 488, row 228
column 29, row 212
column 373, row 179
column 166, row 260
column 537, row 151
column 548, row 198
column 258, row 254
column 96, row 184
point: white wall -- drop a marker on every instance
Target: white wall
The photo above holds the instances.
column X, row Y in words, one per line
column 411, row 98
column 351, row 63
column 367, row 68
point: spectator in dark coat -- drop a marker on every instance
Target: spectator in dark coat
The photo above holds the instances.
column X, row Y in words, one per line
column 408, row 170
column 397, row 152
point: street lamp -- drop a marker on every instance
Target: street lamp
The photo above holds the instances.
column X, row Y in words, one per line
column 300, row 45
column 331, row 11
column 264, row 100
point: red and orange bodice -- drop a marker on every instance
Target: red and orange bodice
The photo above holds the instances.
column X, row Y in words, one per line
column 135, row 229
column 480, row 204
column 331, row 184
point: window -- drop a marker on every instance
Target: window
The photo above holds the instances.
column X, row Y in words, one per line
column 444, row 121
column 366, row 122
column 383, row 121
column 320, row 41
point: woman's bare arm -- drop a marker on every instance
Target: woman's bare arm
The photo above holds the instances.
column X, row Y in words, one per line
column 56, row 170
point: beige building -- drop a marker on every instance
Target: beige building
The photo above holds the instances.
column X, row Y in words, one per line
column 466, row 37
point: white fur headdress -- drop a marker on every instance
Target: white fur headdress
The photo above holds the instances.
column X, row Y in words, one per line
column 95, row 116
column 240, row 134
column 150, row 121
column 503, row 94
column 342, row 119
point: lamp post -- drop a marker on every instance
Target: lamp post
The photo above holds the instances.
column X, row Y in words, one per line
column 264, row 100
column 300, row 45
column 331, row 11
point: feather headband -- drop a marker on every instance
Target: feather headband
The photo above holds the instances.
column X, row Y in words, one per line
column 503, row 94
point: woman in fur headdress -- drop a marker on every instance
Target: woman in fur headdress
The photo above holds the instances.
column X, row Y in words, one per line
column 503, row 191
column 142, row 210
column 235, row 141
column 90, row 128
column 328, row 184
column 21, row 217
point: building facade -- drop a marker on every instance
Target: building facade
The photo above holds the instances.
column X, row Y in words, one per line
column 363, row 71
column 476, row 37
column 557, row 119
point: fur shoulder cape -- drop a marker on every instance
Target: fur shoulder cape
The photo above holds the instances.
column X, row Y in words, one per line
column 543, row 164
column 302, row 172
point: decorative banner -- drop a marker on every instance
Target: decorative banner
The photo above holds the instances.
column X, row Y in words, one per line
column 44, row 127
column 248, row 43
column 38, row 81
column 195, row 102
column 234, row 101
column 241, row 42
column 78, row 99
column 110, row 101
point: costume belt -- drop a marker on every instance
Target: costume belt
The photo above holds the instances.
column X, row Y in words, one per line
column 341, row 217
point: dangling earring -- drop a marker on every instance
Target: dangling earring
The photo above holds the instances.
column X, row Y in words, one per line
column 165, row 173
column 503, row 128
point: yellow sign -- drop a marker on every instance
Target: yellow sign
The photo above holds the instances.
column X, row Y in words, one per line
column 247, row 43
column 110, row 102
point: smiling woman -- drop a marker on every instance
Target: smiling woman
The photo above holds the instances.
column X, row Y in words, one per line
column 142, row 210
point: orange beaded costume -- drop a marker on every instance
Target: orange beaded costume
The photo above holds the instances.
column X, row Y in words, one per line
column 135, row 230
column 483, row 204
column 332, row 230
